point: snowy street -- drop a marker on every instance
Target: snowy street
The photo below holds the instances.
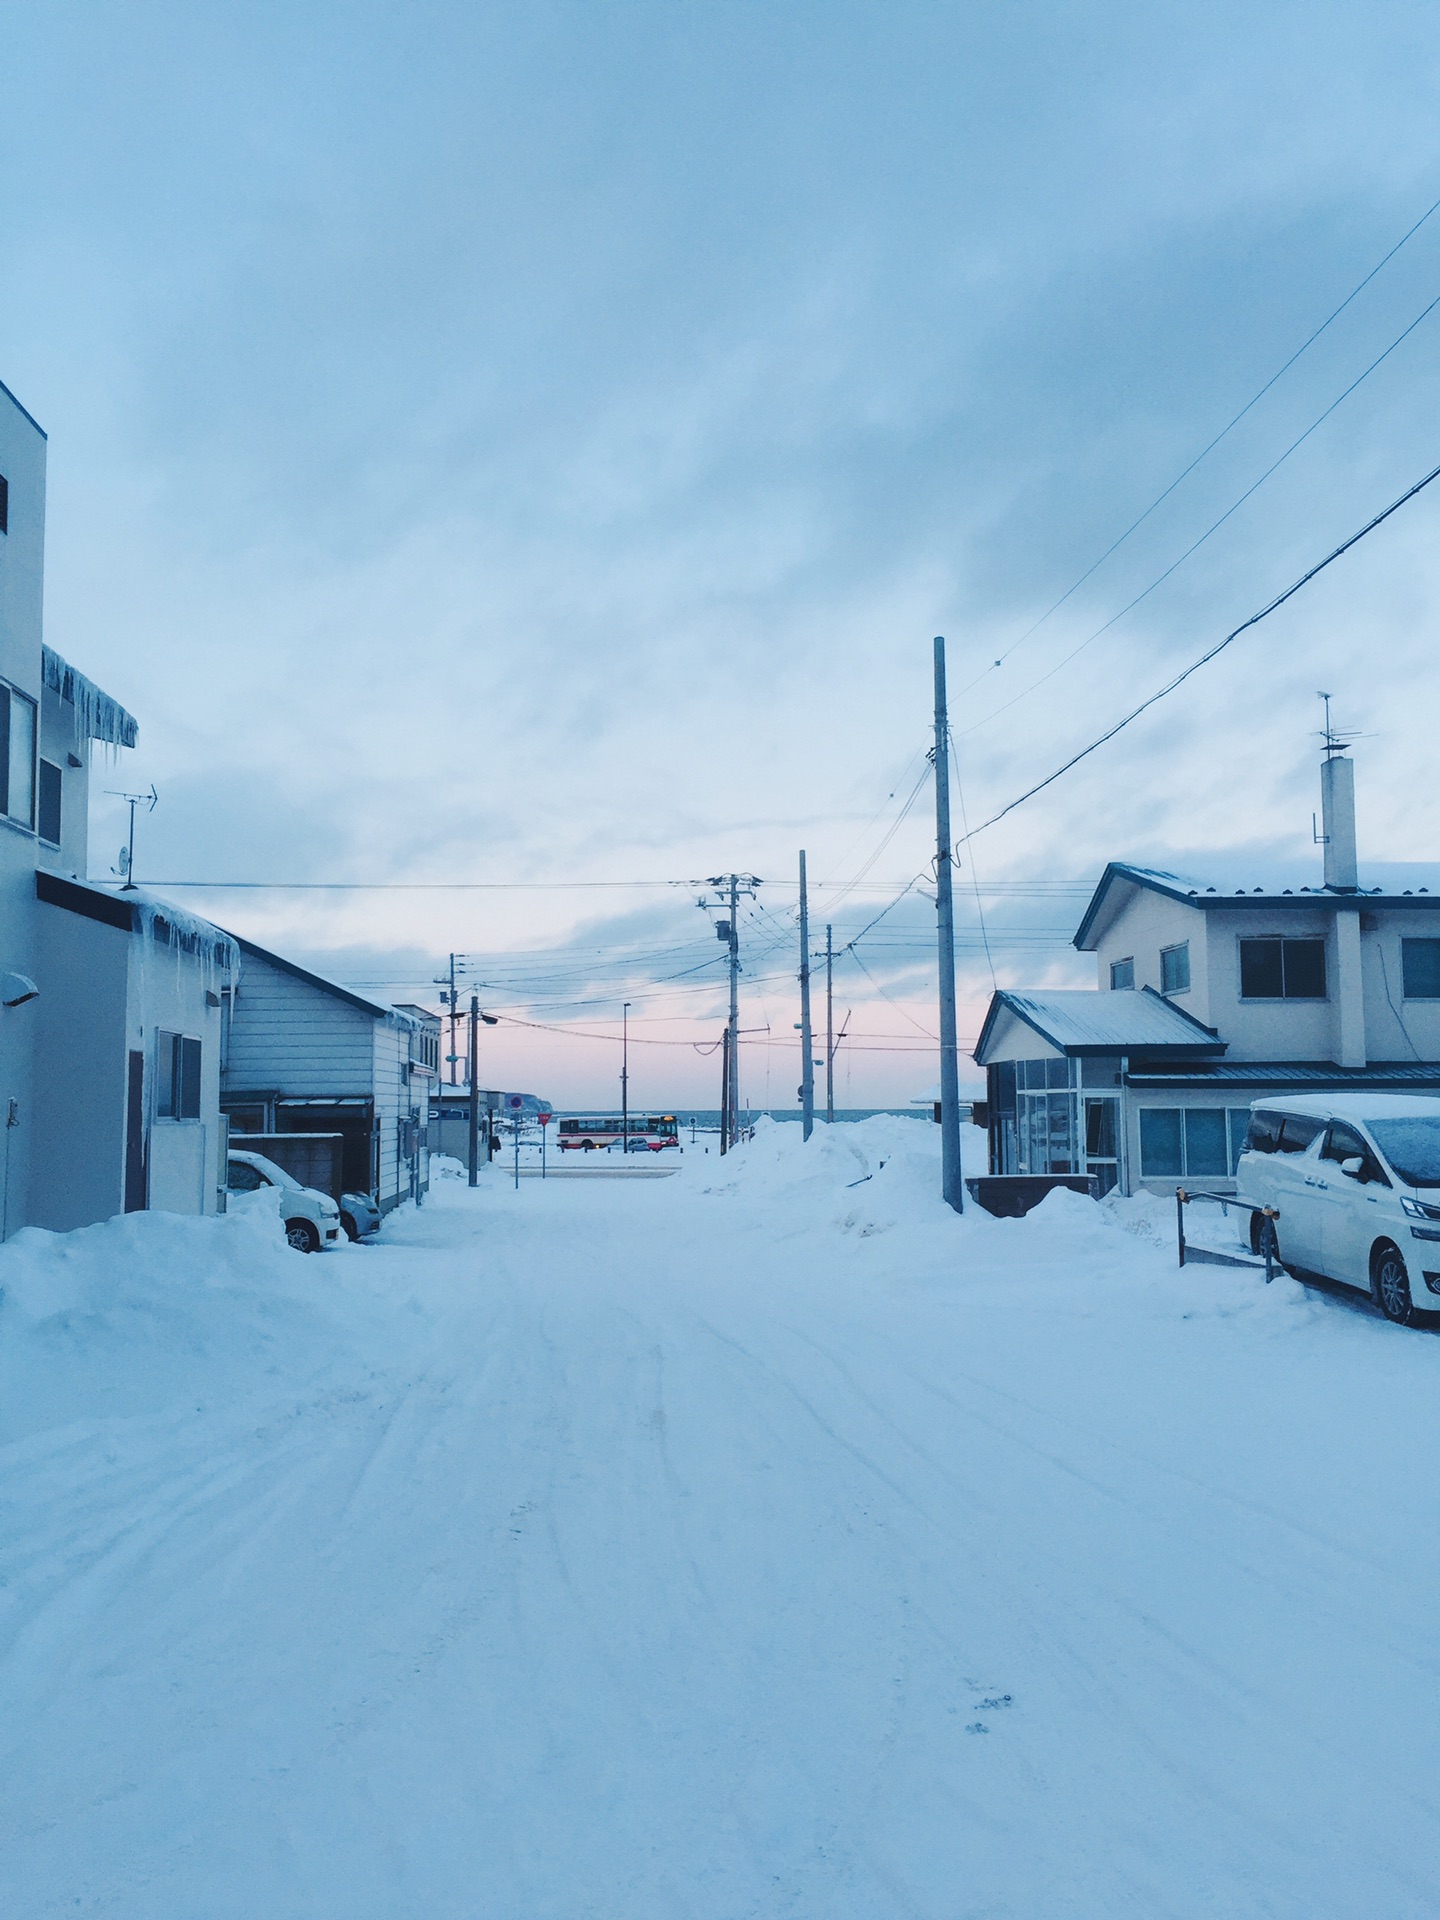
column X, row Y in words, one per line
column 748, row 1543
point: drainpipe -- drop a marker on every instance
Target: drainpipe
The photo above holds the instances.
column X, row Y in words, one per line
column 1337, row 814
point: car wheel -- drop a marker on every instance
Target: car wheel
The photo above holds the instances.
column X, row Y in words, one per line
column 1257, row 1233
column 347, row 1221
column 302, row 1236
column 1391, row 1284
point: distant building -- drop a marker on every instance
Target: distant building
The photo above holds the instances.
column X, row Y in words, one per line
column 305, row 1055
column 109, row 1003
column 1211, row 995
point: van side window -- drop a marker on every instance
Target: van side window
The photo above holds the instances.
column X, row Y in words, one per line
column 1297, row 1130
column 1343, row 1143
column 1263, row 1134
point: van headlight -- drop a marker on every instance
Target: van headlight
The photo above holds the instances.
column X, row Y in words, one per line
column 1419, row 1209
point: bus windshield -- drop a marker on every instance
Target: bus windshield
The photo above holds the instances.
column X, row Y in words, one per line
column 1412, row 1147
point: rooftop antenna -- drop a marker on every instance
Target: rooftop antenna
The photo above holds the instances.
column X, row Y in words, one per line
column 126, row 864
column 1333, row 743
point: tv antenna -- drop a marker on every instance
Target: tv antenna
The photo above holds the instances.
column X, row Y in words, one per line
column 126, row 864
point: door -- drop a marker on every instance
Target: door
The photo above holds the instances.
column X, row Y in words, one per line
column 1353, row 1212
column 1295, row 1166
column 1102, row 1135
column 137, row 1181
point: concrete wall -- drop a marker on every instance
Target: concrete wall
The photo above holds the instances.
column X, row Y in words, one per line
column 22, row 569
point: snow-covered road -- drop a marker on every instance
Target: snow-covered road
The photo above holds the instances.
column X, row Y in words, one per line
column 710, row 1547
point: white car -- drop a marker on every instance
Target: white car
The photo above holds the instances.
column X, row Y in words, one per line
column 1354, row 1182
column 312, row 1219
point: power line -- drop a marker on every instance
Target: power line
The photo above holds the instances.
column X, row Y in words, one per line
column 1214, row 527
column 1208, row 449
column 1205, row 658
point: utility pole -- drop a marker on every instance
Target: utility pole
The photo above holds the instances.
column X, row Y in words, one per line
column 724, row 1090
column 732, row 1118
column 475, row 1090
column 829, row 1025
column 454, row 1063
column 730, row 887
column 807, row 1075
column 625, row 1080
column 952, row 1179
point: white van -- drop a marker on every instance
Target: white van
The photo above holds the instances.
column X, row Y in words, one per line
column 312, row 1219
column 1354, row 1180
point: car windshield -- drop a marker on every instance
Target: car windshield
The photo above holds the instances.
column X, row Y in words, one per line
column 1412, row 1147
column 277, row 1176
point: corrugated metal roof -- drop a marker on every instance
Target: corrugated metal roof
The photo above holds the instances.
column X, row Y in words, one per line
column 1399, row 883
column 1084, row 1020
column 1278, row 1076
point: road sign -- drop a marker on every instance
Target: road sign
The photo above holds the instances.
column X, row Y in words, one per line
column 543, row 1118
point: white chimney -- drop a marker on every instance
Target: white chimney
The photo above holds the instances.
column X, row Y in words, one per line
column 1337, row 822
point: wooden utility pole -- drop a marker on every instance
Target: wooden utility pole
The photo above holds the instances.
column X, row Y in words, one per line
column 952, row 1177
column 475, row 1091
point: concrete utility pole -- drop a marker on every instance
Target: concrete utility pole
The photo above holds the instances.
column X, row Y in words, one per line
column 625, row 1079
column 475, row 1091
column 829, row 1024
column 952, row 1178
column 454, row 1062
column 807, row 1075
column 724, row 1091
column 732, row 1118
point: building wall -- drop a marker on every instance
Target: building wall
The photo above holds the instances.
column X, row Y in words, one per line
column 81, row 1026
column 289, row 1037
column 170, row 991
column 399, row 1100
column 22, row 568
column 1147, row 923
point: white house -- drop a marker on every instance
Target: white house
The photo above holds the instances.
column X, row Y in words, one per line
column 1211, row 993
column 305, row 1055
column 109, row 1005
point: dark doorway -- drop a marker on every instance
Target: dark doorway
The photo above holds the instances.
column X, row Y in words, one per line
column 136, row 1180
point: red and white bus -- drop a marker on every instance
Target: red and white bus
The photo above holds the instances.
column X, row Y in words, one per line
column 646, row 1133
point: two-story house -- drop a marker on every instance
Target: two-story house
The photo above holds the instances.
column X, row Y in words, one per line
column 1210, row 994
column 109, row 1003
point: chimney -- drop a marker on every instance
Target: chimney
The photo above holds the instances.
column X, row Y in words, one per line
column 1337, row 822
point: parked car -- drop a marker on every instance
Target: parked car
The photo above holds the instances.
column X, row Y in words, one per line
column 1354, row 1184
column 312, row 1219
column 359, row 1215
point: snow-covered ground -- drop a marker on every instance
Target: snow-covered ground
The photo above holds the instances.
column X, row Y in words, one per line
column 747, row 1543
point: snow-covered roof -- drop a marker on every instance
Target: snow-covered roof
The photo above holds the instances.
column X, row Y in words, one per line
column 100, row 717
column 1082, row 1020
column 1391, row 883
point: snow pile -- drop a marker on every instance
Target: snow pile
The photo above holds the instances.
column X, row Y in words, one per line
column 122, row 1316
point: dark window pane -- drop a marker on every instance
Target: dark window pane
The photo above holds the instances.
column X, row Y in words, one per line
column 1297, row 1131
column 1057, row 1073
column 1420, row 969
column 1175, row 969
column 1304, row 968
column 4, row 504
column 1160, row 1143
column 243, row 1178
column 1205, row 1143
column 1239, row 1119
column 166, row 1063
column 1100, row 1128
column 1262, row 972
column 189, row 1080
column 1122, row 975
column 1264, row 1133
column 50, row 790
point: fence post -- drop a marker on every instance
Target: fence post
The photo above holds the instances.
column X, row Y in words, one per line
column 1180, row 1221
column 1267, row 1234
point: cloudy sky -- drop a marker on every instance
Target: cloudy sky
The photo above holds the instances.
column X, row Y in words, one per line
column 537, row 443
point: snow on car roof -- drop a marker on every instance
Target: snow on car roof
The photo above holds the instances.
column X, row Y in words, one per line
column 1354, row 1106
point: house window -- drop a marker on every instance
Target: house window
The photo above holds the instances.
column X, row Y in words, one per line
column 1175, row 969
column 177, row 1076
column 4, row 504
column 17, row 756
column 1282, row 969
column 1122, row 976
column 49, row 808
column 1420, row 969
column 1190, row 1143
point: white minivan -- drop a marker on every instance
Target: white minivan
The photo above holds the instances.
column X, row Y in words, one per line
column 312, row 1219
column 1354, row 1184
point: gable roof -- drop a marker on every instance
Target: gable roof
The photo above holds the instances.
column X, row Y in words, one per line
column 1081, row 1020
column 372, row 1007
column 1422, row 890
